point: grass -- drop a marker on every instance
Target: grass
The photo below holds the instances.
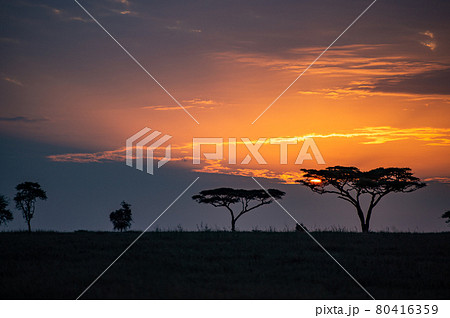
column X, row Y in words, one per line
column 224, row 265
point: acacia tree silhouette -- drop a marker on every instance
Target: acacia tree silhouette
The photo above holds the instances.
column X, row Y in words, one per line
column 5, row 213
column 349, row 183
column 121, row 218
column 226, row 197
column 26, row 196
column 446, row 215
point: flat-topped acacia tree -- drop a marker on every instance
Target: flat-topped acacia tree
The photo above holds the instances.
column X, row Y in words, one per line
column 246, row 200
column 350, row 184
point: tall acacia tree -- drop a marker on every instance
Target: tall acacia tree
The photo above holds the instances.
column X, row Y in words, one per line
column 247, row 200
column 350, row 184
column 26, row 196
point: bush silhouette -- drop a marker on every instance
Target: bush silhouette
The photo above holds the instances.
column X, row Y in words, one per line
column 300, row 228
column 121, row 218
column 446, row 215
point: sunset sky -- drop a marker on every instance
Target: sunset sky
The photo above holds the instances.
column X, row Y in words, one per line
column 71, row 96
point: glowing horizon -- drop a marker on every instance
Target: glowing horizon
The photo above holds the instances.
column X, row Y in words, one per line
column 365, row 95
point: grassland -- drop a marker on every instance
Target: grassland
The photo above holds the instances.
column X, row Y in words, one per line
column 224, row 265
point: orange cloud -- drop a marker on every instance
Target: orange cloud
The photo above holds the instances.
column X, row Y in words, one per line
column 191, row 103
column 183, row 153
column 438, row 179
column 13, row 81
column 363, row 90
column 199, row 101
column 373, row 135
column 166, row 107
column 101, row 156
column 219, row 167
column 381, row 135
column 430, row 42
column 358, row 59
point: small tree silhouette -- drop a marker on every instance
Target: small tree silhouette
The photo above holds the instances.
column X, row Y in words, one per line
column 26, row 196
column 226, row 197
column 446, row 215
column 300, row 227
column 349, row 184
column 121, row 218
column 5, row 214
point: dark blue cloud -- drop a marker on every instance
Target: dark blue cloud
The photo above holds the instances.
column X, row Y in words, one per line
column 22, row 119
column 432, row 82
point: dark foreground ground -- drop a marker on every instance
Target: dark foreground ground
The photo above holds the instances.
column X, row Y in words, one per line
column 223, row 265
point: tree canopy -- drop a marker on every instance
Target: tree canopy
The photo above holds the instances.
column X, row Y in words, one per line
column 122, row 218
column 350, row 184
column 248, row 199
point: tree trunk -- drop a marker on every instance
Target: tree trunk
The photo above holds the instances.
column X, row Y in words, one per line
column 29, row 226
column 365, row 227
column 369, row 214
column 233, row 225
